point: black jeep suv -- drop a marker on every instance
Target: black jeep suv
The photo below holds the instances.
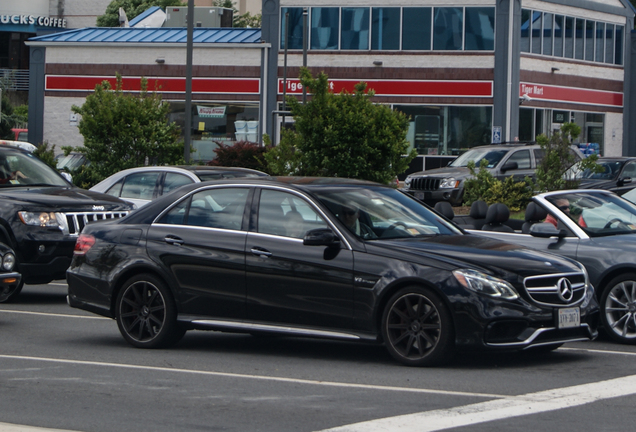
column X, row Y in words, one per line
column 41, row 215
column 504, row 160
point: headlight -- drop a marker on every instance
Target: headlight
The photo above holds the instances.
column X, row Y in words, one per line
column 407, row 181
column 8, row 262
column 449, row 183
column 484, row 284
column 43, row 219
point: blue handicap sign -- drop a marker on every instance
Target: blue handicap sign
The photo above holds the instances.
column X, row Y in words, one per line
column 496, row 134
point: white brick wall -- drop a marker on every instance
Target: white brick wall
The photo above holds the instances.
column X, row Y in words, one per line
column 613, row 134
column 57, row 130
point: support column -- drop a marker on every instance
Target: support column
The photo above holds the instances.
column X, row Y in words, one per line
column 37, row 65
column 269, row 79
column 507, row 64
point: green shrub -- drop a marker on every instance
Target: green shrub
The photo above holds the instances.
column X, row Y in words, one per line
column 242, row 154
column 484, row 186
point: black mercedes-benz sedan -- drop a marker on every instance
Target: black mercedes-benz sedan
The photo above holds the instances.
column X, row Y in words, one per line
column 324, row 257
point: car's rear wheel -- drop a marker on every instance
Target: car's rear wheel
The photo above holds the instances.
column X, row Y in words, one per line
column 618, row 305
column 417, row 328
column 146, row 313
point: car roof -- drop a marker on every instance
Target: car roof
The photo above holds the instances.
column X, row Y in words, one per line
column 616, row 158
column 148, row 212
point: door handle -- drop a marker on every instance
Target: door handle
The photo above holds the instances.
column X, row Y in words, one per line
column 261, row 252
column 176, row 241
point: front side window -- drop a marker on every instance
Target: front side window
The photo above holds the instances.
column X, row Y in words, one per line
column 287, row 215
column 522, row 158
column 448, row 24
column 355, row 29
column 325, row 25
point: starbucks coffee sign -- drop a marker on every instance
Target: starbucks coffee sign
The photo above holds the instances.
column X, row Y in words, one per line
column 30, row 20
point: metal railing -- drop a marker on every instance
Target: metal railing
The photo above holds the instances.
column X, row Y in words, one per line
column 15, row 79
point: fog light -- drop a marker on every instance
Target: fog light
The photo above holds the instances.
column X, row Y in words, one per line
column 9, row 280
column 41, row 248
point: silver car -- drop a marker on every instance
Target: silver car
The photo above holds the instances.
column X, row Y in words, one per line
column 598, row 229
column 143, row 184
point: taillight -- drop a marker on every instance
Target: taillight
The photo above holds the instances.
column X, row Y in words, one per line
column 83, row 244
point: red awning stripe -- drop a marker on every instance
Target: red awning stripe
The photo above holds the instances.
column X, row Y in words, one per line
column 571, row 95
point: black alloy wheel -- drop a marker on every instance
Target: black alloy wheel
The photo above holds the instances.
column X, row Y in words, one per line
column 417, row 328
column 618, row 305
column 146, row 313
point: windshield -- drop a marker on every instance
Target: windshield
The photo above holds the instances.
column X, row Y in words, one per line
column 382, row 213
column 492, row 156
column 610, row 171
column 24, row 169
column 71, row 161
column 599, row 214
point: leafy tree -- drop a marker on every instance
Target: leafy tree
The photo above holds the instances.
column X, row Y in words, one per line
column 46, row 154
column 241, row 154
column 343, row 135
column 132, row 9
column 240, row 20
column 7, row 120
column 123, row 130
column 482, row 185
column 558, row 159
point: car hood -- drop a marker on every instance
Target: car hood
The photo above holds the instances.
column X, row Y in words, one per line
column 499, row 257
column 456, row 172
column 597, row 184
column 63, row 197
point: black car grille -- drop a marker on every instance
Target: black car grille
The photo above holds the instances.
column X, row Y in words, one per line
column 75, row 222
column 556, row 289
column 425, row 183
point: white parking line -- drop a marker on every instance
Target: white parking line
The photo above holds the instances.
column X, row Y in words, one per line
column 596, row 351
column 513, row 406
column 53, row 315
column 9, row 427
column 255, row 377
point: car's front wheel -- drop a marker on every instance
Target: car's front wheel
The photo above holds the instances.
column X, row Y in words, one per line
column 417, row 328
column 618, row 304
column 146, row 313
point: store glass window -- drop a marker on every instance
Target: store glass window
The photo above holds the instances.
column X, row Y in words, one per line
column 558, row 35
column 618, row 52
column 325, row 25
column 579, row 42
column 480, row 29
column 295, row 28
column 416, row 28
column 525, row 30
column 568, row 49
column 609, row 43
column 589, row 40
column 537, row 20
column 355, row 29
column 600, row 43
column 526, row 124
column 447, row 130
column 385, row 28
column 547, row 33
column 447, row 28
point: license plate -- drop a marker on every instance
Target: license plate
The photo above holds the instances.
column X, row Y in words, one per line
column 569, row 318
column 419, row 195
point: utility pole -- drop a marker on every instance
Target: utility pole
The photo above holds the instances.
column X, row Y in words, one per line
column 188, row 89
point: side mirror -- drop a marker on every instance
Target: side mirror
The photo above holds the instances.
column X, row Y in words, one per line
column 546, row 230
column 509, row 166
column 321, row 237
column 624, row 181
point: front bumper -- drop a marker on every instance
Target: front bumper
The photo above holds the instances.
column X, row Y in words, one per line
column 453, row 196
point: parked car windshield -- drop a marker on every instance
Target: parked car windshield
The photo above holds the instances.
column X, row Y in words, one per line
column 610, row 171
column 24, row 169
column 600, row 214
column 492, row 156
column 387, row 212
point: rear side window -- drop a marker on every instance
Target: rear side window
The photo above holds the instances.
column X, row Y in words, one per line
column 140, row 185
column 174, row 181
